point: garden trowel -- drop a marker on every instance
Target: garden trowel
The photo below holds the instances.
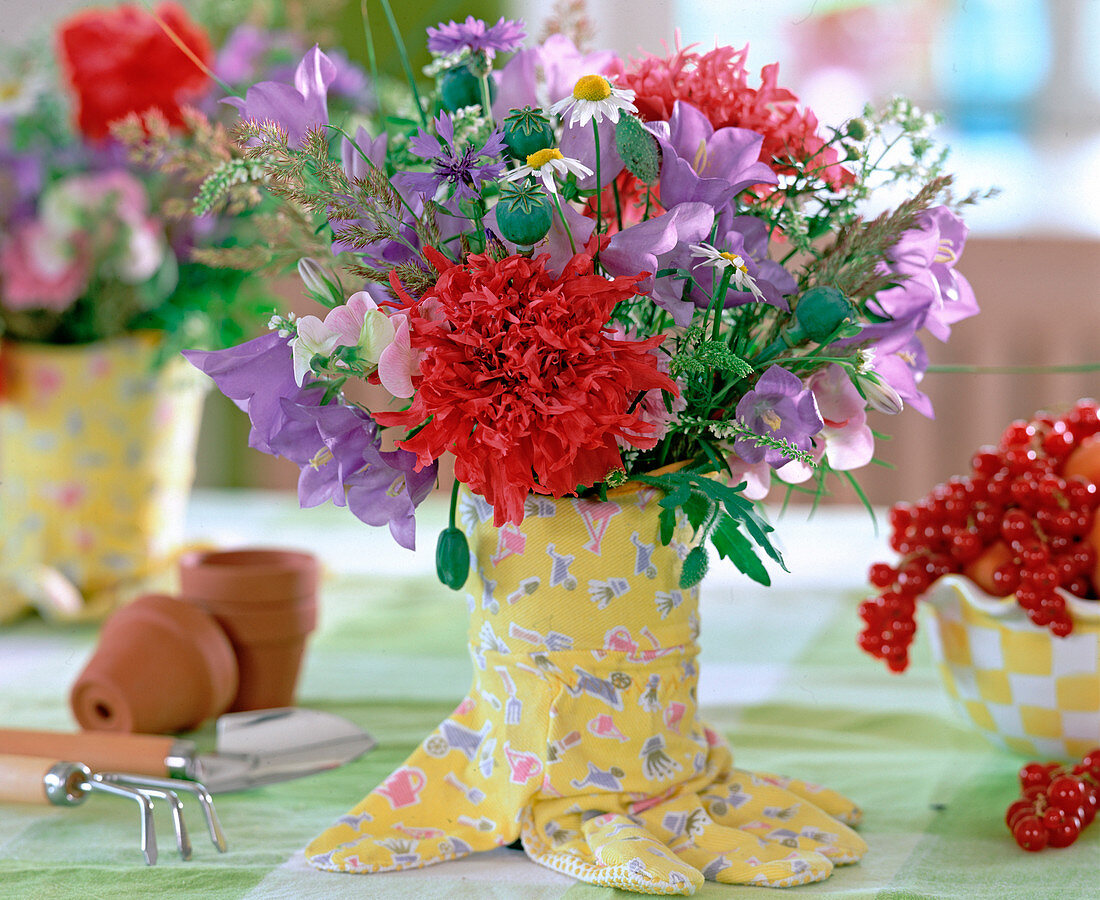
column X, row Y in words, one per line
column 252, row 748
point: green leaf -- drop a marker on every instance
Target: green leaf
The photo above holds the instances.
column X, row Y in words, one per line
column 731, row 544
column 698, row 509
column 638, row 149
column 667, row 520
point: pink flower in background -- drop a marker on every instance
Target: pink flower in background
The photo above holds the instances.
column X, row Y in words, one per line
column 37, row 273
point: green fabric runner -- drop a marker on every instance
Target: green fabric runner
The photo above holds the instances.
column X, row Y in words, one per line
column 781, row 676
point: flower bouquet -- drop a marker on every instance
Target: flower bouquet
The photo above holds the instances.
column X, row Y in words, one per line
column 99, row 290
column 626, row 297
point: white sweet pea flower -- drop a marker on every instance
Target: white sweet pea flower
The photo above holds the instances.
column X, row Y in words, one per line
column 314, row 337
column 547, row 165
column 720, row 260
column 594, row 97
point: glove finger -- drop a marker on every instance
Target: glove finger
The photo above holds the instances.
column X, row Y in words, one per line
column 832, row 802
column 780, row 816
column 732, row 856
column 616, row 853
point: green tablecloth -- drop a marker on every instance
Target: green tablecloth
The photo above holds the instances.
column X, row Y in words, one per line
column 781, row 676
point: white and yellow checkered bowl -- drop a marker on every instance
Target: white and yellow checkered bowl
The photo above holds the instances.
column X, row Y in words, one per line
column 1025, row 689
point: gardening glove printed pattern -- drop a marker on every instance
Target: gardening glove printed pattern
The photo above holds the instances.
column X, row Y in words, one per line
column 580, row 735
column 93, row 494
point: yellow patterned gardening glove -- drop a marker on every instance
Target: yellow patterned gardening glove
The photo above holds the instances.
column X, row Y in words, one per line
column 97, row 456
column 580, row 734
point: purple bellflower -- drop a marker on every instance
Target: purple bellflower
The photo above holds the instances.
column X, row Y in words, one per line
column 780, row 407
column 295, row 108
column 701, row 164
column 336, row 446
column 924, row 259
column 659, row 243
column 747, row 237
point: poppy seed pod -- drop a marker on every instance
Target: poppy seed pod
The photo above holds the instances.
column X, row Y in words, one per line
column 524, row 213
column 527, row 131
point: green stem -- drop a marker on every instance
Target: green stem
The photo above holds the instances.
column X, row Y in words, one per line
column 399, row 43
column 486, row 99
column 454, row 501
column 716, row 302
column 372, row 60
column 565, row 225
column 618, row 204
column 599, row 194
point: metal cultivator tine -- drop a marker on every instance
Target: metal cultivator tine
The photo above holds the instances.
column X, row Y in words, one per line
column 171, row 788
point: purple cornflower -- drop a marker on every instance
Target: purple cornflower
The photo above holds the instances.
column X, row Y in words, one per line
column 450, row 37
column 779, row 407
column 451, row 167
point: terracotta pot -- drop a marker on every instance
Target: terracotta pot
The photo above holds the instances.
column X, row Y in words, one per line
column 161, row 666
column 266, row 602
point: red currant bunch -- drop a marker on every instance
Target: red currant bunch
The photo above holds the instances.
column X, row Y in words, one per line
column 1056, row 803
column 1020, row 522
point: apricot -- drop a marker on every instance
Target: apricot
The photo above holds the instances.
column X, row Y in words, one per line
column 980, row 571
column 1084, row 460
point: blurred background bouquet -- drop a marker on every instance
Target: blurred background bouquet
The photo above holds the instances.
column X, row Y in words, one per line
column 101, row 285
column 567, row 270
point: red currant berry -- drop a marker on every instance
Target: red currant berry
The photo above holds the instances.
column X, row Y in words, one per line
column 1066, row 792
column 1030, row 834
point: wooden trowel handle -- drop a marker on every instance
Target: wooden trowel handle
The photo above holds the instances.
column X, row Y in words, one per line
column 100, row 751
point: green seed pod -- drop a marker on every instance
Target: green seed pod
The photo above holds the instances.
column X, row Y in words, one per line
column 452, row 558
column 821, row 311
column 695, row 567
column 459, row 87
column 524, row 213
column 527, row 131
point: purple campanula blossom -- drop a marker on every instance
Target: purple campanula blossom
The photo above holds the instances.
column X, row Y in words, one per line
column 780, row 407
column 256, row 375
column 747, row 237
column 901, row 361
column 451, row 167
column 297, row 107
column 336, row 446
column 577, row 143
column 701, row 164
column 661, row 242
column 338, row 449
column 475, row 35
column 924, row 259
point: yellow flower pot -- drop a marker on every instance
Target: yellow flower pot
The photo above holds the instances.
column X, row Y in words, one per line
column 1025, row 689
column 97, row 451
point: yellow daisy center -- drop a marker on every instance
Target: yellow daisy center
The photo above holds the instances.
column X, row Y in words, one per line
column 738, row 262
column 592, row 87
column 540, row 158
column 9, row 90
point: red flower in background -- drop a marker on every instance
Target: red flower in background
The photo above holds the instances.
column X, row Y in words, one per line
column 716, row 83
column 120, row 61
column 520, row 379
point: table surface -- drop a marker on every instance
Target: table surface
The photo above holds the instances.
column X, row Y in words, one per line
column 781, row 676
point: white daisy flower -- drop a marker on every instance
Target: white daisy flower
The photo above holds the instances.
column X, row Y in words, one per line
column 594, row 97
column 721, row 260
column 546, row 164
